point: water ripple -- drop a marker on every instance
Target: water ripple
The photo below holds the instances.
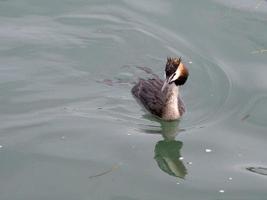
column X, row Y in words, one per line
column 209, row 85
column 256, row 111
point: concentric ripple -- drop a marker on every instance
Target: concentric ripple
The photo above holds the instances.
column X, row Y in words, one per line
column 139, row 42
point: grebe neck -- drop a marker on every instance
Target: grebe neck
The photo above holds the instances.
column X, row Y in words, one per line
column 171, row 110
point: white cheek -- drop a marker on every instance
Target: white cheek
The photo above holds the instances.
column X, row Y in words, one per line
column 177, row 74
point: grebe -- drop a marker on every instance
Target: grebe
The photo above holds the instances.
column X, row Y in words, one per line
column 161, row 98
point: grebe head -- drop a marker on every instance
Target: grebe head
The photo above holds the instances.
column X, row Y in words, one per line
column 175, row 72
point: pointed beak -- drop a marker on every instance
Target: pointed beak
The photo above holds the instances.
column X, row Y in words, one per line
column 166, row 82
column 170, row 79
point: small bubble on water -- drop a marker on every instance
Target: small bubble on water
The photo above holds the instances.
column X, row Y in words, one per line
column 1, row 146
column 181, row 158
column 129, row 134
column 190, row 62
column 230, row 178
column 221, row 191
column 208, row 150
column 189, row 163
column 178, row 183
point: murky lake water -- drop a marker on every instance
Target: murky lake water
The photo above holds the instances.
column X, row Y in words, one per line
column 70, row 129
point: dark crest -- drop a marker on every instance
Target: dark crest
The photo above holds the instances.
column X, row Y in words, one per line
column 172, row 65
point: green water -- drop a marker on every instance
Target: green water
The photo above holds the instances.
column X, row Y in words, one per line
column 70, row 129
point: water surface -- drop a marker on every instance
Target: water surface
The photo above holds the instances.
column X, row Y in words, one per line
column 70, row 129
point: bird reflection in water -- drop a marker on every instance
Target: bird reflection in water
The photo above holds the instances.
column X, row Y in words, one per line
column 168, row 151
